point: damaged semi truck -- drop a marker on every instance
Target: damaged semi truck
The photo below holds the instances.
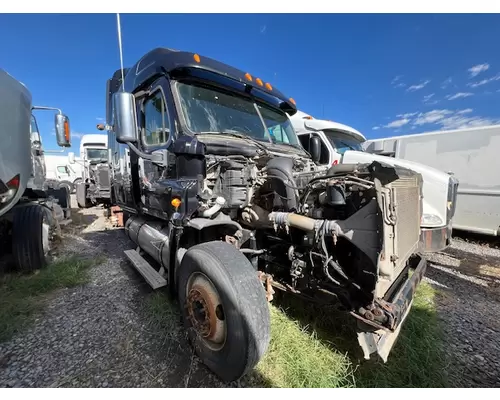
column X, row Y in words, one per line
column 94, row 187
column 222, row 211
column 32, row 208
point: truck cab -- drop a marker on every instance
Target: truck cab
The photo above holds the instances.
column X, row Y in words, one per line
column 342, row 144
column 95, row 185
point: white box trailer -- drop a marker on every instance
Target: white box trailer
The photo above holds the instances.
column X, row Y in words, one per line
column 472, row 155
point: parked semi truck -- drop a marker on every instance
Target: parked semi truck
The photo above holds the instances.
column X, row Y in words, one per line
column 222, row 212
column 471, row 155
column 342, row 144
column 95, row 185
column 31, row 207
column 60, row 170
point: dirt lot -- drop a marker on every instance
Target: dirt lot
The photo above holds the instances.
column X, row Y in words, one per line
column 101, row 334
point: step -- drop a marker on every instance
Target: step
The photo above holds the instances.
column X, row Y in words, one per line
column 152, row 277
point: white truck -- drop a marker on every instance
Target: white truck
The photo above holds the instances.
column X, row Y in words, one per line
column 471, row 155
column 32, row 208
column 95, row 185
column 342, row 144
column 60, row 170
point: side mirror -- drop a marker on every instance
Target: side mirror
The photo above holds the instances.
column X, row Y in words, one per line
column 71, row 157
column 315, row 148
column 124, row 117
column 62, row 130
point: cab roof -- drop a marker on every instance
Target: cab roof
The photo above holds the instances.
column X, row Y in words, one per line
column 164, row 60
column 304, row 123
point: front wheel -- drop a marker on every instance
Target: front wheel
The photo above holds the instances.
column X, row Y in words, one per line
column 224, row 308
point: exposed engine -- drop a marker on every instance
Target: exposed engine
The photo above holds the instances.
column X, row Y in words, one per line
column 98, row 180
column 312, row 229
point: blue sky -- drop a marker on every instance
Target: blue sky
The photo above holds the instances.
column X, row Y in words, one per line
column 382, row 74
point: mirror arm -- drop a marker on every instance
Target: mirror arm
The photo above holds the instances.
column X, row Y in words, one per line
column 158, row 157
column 138, row 152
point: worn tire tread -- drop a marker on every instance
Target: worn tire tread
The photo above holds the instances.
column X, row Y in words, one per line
column 27, row 247
column 251, row 301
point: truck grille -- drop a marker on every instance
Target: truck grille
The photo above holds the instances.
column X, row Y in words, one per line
column 103, row 176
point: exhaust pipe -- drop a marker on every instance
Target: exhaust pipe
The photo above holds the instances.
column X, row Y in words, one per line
column 151, row 236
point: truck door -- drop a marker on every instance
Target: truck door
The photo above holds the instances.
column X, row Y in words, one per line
column 63, row 173
column 155, row 133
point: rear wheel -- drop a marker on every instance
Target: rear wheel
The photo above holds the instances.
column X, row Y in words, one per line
column 63, row 196
column 224, row 308
column 68, row 185
column 31, row 232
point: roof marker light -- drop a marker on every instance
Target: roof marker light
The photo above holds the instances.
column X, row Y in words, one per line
column 293, row 101
column 248, row 76
column 268, row 86
column 197, row 58
column 259, row 82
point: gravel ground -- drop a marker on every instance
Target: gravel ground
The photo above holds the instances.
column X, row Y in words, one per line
column 97, row 335
column 468, row 278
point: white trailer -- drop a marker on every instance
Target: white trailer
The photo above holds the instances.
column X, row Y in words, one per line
column 471, row 155
column 342, row 144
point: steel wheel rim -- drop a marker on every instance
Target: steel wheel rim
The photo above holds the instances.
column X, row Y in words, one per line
column 205, row 311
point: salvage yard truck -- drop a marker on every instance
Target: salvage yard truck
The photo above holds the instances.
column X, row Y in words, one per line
column 32, row 208
column 471, row 155
column 94, row 187
column 59, row 169
column 342, row 144
column 222, row 212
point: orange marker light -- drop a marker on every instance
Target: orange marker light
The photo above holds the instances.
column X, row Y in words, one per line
column 197, row 58
column 175, row 202
column 259, row 82
column 248, row 76
column 293, row 101
column 268, row 86
column 66, row 130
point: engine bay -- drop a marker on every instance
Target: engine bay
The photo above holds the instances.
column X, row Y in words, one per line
column 313, row 229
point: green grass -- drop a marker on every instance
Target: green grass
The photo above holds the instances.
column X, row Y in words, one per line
column 314, row 346
column 22, row 296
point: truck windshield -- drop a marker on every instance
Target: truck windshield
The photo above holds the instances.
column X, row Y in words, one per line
column 343, row 142
column 97, row 154
column 209, row 110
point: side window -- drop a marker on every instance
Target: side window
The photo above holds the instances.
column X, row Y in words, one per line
column 62, row 169
column 156, row 125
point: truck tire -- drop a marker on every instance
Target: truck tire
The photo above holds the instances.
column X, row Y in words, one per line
column 224, row 308
column 77, row 181
column 67, row 185
column 81, row 196
column 30, row 237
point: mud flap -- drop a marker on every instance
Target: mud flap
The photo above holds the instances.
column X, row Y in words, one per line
column 382, row 341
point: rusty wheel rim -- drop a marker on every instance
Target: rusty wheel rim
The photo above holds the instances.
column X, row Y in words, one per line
column 205, row 311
